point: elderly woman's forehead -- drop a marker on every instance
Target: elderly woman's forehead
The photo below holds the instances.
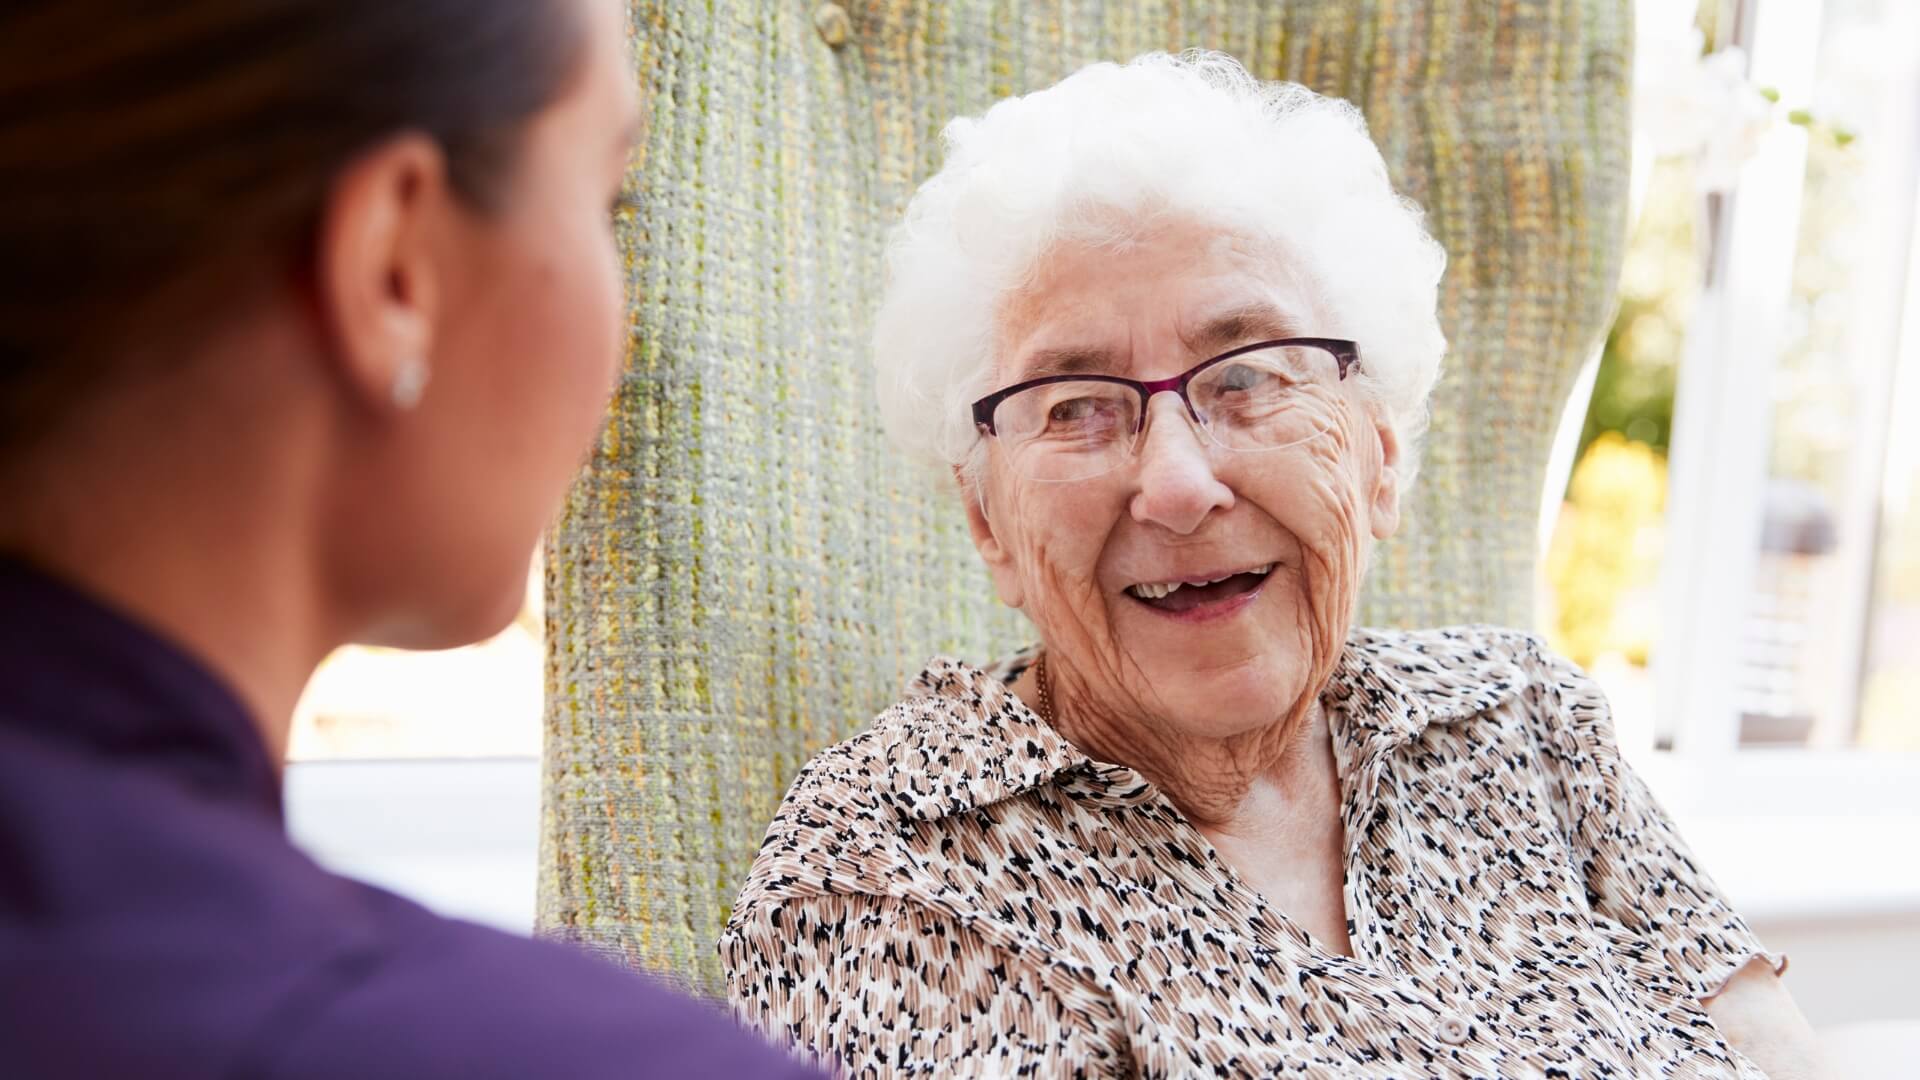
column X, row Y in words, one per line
column 1207, row 292
column 1095, row 345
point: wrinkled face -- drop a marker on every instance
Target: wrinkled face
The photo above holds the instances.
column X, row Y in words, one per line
column 1281, row 535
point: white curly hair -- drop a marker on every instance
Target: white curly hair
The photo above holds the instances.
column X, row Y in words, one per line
column 1190, row 138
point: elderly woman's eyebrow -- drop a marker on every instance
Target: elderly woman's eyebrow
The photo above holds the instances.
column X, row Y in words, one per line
column 1256, row 321
column 1068, row 360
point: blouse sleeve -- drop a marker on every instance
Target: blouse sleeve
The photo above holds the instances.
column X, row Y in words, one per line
column 886, row 987
column 1639, row 873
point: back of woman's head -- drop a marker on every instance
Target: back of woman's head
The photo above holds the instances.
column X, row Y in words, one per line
column 157, row 160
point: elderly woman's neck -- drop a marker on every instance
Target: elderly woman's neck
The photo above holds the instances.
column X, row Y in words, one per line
column 1236, row 784
column 1293, row 775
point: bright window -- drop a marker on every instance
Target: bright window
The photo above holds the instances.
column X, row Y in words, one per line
column 1739, row 554
column 480, row 701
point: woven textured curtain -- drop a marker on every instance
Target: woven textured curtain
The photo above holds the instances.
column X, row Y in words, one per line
column 746, row 573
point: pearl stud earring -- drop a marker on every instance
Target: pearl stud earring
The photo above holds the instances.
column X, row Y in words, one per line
column 409, row 383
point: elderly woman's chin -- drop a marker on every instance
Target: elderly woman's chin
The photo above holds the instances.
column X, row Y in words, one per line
column 1230, row 671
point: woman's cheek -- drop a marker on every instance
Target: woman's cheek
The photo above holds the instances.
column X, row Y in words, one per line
column 1323, row 510
column 1330, row 519
column 606, row 287
column 1059, row 578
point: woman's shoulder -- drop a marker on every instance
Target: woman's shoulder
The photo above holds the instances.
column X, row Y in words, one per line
column 1476, row 690
column 957, row 740
column 446, row 990
column 1466, row 649
column 1469, row 669
column 949, row 711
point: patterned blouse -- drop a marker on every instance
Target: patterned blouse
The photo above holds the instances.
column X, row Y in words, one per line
column 959, row 891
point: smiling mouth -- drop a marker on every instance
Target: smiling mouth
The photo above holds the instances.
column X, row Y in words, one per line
column 1179, row 597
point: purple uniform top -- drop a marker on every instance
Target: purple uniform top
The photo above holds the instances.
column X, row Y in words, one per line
column 156, row 923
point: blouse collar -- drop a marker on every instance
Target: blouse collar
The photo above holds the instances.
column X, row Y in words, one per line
column 1386, row 688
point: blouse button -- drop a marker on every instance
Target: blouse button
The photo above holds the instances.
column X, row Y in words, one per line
column 1452, row 1031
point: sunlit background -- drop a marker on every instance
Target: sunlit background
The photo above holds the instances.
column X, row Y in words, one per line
column 480, row 701
column 1825, row 619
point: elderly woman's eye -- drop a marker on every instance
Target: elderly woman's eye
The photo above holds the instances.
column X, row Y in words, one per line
column 1079, row 418
column 1245, row 378
column 1076, row 411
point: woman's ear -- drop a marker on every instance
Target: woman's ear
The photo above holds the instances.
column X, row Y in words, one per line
column 973, row 493
column 1385, row 503
column 376, row 270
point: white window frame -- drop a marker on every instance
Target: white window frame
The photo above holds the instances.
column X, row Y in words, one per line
column 1722, row 427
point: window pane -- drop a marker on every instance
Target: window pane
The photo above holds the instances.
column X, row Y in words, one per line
column 1819, row 646
column 1890, row 693
column 1802, row 653
column 480, row 701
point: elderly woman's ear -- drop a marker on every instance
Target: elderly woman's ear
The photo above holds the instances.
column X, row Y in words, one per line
column 1386, row 483
column 973, row 495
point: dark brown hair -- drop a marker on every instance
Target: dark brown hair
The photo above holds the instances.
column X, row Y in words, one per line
column 157, row 157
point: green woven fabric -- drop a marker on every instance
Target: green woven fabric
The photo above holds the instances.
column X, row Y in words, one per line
column 746, row 573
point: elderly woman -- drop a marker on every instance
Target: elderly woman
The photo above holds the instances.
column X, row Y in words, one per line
column 1173, row 333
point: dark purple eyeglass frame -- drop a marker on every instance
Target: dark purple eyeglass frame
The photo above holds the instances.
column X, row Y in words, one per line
column 1346, row 353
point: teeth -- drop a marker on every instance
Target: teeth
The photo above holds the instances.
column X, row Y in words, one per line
column 1161, row 590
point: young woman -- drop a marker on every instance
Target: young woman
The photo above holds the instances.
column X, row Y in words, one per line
column 308, row 311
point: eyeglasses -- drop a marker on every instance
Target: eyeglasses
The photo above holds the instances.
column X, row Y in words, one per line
column 1073, row 427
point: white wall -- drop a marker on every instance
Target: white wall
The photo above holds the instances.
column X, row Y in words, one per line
column 460, row 837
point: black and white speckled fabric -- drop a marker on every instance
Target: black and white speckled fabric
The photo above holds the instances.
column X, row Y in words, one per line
column 959, row 891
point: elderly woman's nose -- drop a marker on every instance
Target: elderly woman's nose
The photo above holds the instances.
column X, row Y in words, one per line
column 1177, row 485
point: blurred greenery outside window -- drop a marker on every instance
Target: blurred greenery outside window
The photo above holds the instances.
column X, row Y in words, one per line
column 1603, row 561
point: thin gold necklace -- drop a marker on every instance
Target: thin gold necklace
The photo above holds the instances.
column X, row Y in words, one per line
column 1045, row 695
